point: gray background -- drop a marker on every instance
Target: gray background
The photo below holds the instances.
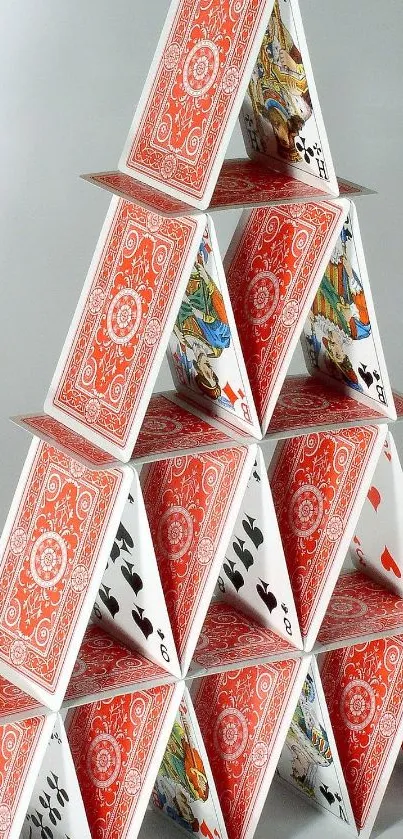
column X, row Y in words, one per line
column 71, row 75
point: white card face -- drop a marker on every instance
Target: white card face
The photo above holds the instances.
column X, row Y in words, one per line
column 184, row 790
column 340, row 339
column 281, row 119
column 204, row 353
column 309, row 761
column 56, row 809
column 254, row 576
column 377, row 546
column 130, row 604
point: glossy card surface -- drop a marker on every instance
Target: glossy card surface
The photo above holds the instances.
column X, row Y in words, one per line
column 54, row 549
column 274, row 265
column 111, row 357
column 191, row 503
column 319, row 484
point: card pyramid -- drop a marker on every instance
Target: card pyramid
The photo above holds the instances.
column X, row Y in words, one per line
column 157, row 584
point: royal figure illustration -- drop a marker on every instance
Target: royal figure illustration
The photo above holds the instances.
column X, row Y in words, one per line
column 340, row 315
column 307, row 742
column 202, row 327
column 182, row 778
column 279, row 88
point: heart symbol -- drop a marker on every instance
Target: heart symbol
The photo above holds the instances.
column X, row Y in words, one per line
column 389, row 563
column 374, row 497
column 388, row 455
column 356, row 540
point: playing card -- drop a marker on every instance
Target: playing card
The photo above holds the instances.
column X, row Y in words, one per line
column 281, row 119
column 363, row 686
column 274, row 265
column 22, row 747
column 15, row 705
column 68, row 441
column 309, row 762
column 307, row 402
column 56, row 808
column 241, row 183
column 340, row 338
column 105, row 667
column 319, row 483
column 169, row 428
column 184, row 789
column 118, row 336
column 359, row 608
column 193, row 94
column 244, row 716
column 377, row 546
column 130, row 603
column 204, row 352
column 53, row 551
column 191, row 503
column 125, row 739
column 254, row 576
column 230, row 637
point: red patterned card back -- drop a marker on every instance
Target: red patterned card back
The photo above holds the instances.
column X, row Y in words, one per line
column 316, row 485
column 363, row 685
column 240, row 714
column 273, row 268
column 188, row 500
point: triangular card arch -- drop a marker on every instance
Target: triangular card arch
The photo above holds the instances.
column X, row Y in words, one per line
column 198, row 83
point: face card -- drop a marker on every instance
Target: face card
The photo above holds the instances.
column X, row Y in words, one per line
column 125, row 741
column 130, row 604
column 111, row 357
column 53, row 553
column 360, row 607
column 193, row 94
column 281, row 119
column 22, row 747
column 377, row 546
column 204, row 353
column 254, row 576
column 244, row 716
column 319, row 483
column 56, row 809
column 169, row 427
column 341, row 339
column 191, row 503
column 363, row 686
column 185, row 790
column 230, row 637
column 274, row 265
column 105, row 667
column 309, row 762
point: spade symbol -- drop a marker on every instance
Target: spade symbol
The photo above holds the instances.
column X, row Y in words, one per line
column 233, row 575
column 244, row 555
column 135, row 582
column 365, row 374
column 269, row 599
column 254, row 533
column 143, row 623
column 327, row 794
column 109, row 600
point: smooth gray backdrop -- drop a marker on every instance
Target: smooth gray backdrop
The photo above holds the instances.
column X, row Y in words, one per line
column 71, row 75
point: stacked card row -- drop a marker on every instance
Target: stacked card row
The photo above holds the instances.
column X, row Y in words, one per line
column 146, row 556
column 157, row 287
column 206, row 758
